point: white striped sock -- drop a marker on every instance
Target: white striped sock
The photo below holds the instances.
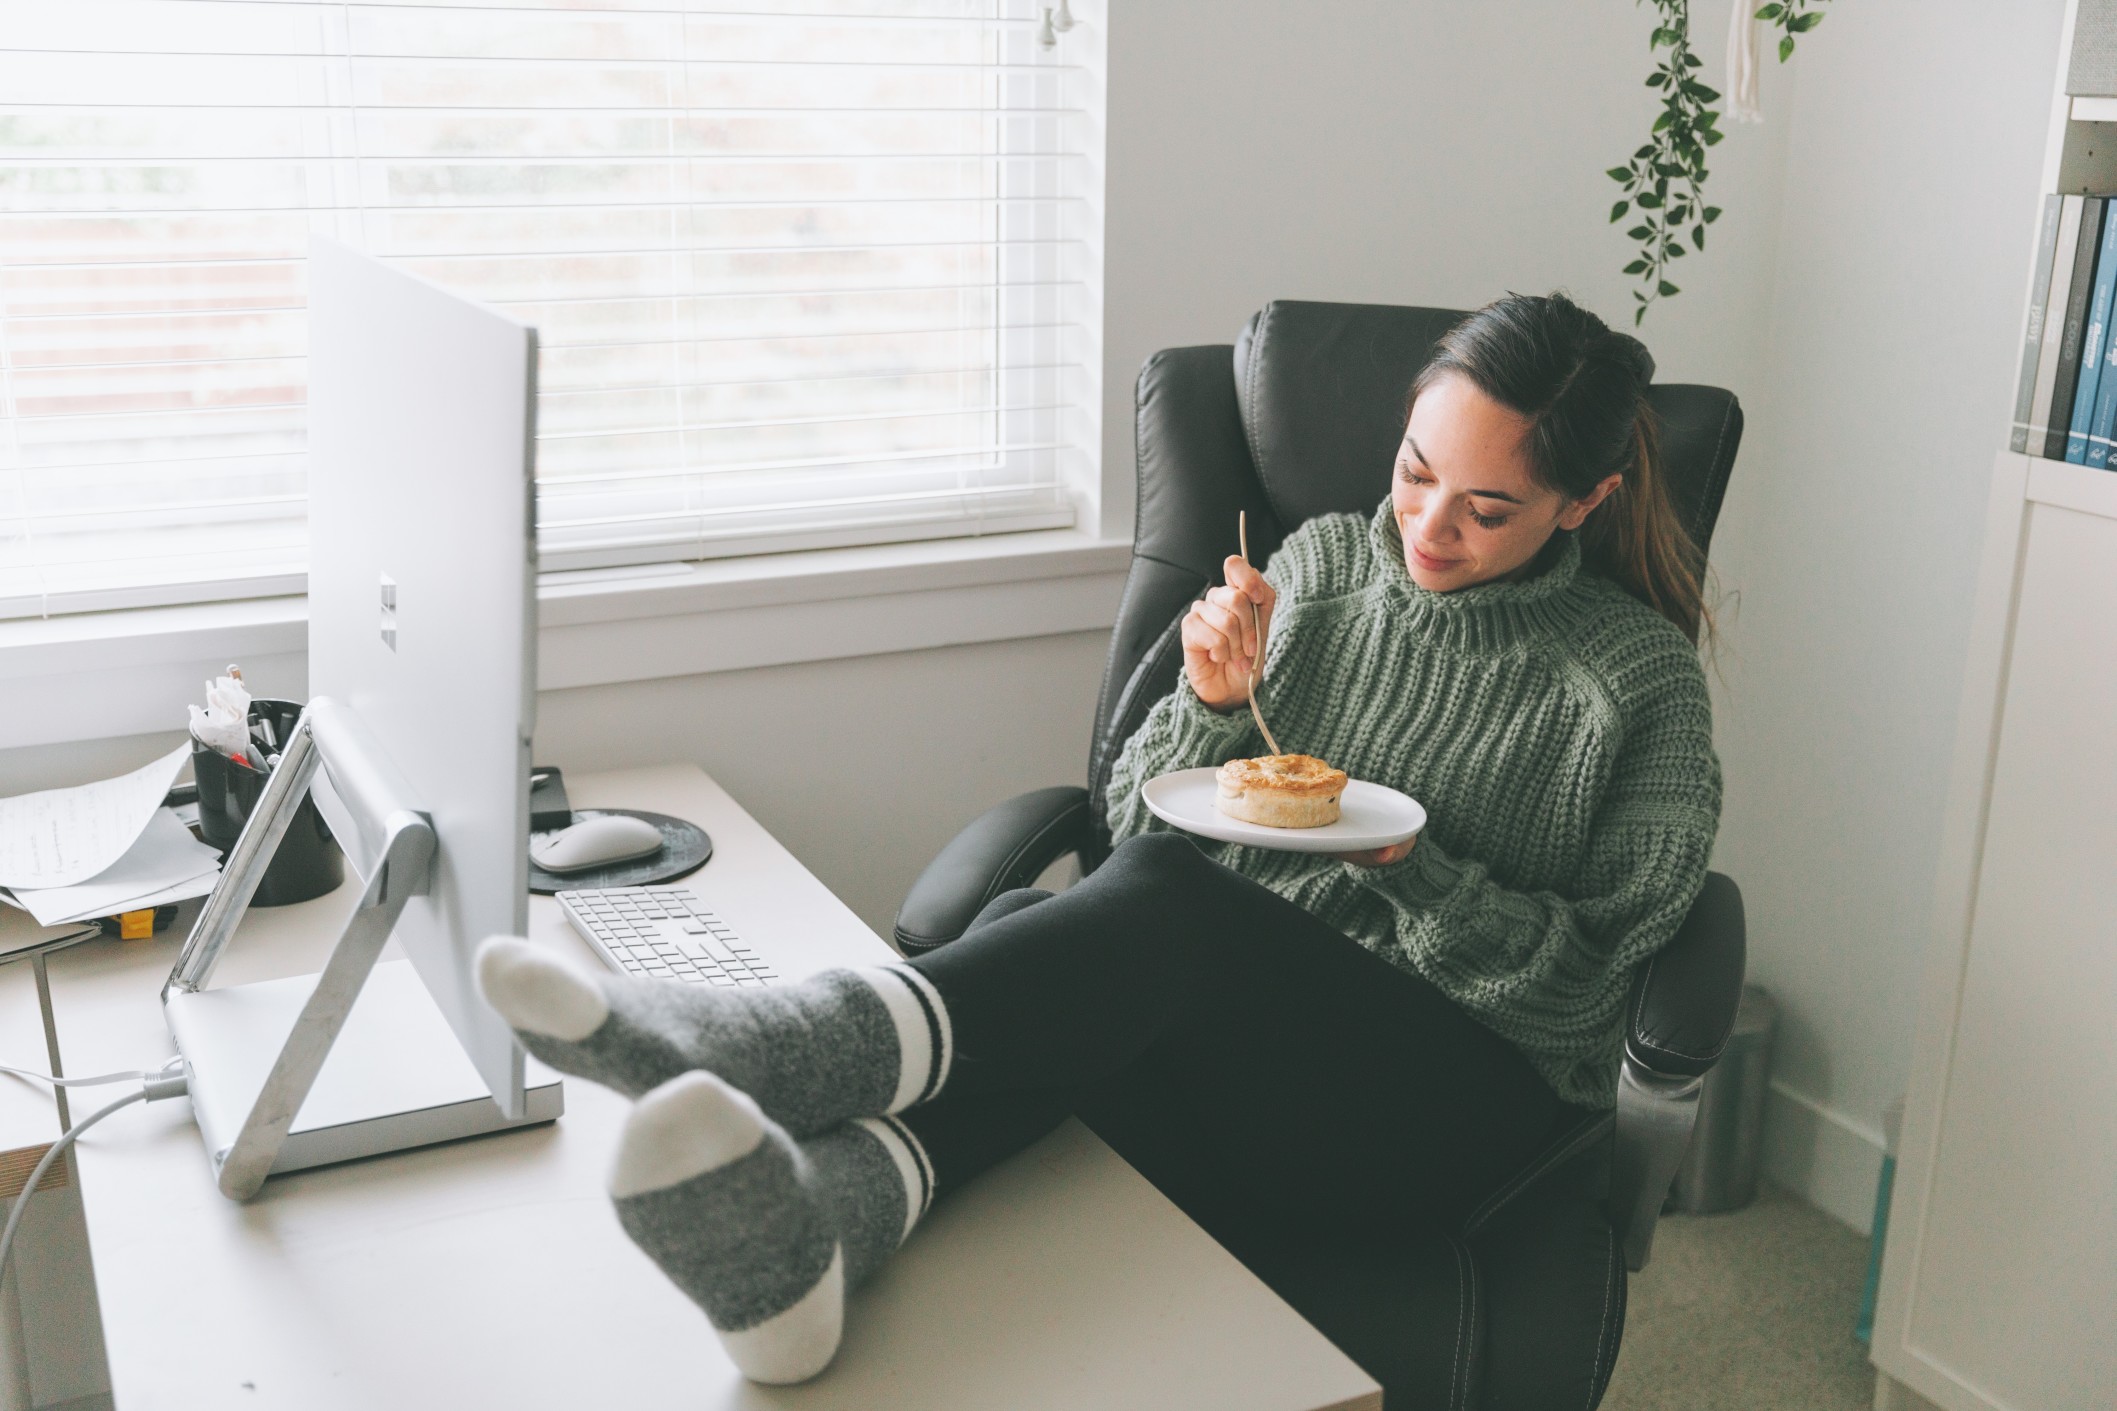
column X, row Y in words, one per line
column 914, row 1167
column 925, row 1041
column 794, row 1345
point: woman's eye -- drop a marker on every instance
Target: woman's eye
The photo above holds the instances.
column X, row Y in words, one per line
column 1410, row 476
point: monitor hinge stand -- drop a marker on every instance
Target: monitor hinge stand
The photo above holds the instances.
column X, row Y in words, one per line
column 388, row 839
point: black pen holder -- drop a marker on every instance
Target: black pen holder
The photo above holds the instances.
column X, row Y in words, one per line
column 308, row 862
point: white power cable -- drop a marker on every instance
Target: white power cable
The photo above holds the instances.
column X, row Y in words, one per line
column 153, row 1088
column 131, row 1075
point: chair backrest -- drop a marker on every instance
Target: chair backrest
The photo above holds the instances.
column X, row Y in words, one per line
column 1302, row 417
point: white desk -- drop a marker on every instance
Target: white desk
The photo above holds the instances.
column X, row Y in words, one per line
column 492, row 1272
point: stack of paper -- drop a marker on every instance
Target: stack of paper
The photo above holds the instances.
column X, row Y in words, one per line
column 74, row 854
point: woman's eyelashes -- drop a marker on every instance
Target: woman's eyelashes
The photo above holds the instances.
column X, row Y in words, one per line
column 1411, row 476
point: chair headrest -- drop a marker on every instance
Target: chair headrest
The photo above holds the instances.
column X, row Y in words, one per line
column 1323, row 390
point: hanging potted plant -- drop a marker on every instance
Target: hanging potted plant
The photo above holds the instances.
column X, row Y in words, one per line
column 1664, row 182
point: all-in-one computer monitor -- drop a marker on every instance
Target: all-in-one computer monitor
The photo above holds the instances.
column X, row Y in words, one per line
column 422, row 673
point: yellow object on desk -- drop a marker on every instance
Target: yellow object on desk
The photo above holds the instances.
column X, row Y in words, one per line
column 136, row 925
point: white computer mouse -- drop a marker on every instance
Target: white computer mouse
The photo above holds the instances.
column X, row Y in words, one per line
column 597, row 842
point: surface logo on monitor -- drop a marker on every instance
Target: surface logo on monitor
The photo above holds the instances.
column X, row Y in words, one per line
column 389, row 612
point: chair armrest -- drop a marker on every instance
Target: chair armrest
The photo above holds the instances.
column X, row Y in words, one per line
column 1654, row 1120
column 1683, row 1001
column 1001, row 849
column 1681, row 1011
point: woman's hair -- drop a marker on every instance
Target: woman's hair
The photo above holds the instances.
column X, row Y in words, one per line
column 1583, row 388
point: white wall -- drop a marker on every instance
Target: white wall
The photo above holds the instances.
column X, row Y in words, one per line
column 1916, row 143
column 1439, row 153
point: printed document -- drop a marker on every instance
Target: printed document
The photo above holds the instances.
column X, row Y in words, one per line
column 164, row 864
column 63, row 836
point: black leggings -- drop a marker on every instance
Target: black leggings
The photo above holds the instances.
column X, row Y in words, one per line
column 1276, row 1059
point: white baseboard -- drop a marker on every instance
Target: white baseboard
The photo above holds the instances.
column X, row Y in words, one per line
column 1827, row 1158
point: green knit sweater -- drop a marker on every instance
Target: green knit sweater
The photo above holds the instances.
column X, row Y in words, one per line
column 1559, row 734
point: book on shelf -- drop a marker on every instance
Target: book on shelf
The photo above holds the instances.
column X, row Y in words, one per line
column 2032, row 332
column 2065, row 396
column 2059, row 419
column 2102, row 428
column 2067, row 244
column 2094, row 338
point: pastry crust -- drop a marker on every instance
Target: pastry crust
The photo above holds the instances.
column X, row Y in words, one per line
column 1280, row 791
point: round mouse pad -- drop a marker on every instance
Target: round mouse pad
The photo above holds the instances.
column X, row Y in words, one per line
column 685, row 848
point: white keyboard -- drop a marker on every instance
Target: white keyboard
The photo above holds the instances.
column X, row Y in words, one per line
column 664, row 934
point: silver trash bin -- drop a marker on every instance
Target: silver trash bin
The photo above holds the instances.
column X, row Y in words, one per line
column 1719, row 1171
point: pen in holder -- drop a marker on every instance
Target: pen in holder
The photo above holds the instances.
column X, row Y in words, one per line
column 308, row 862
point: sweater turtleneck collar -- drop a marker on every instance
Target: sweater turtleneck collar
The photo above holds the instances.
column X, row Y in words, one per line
column 1489, row 616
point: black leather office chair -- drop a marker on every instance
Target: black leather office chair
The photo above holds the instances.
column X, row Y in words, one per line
column 1522, row 1305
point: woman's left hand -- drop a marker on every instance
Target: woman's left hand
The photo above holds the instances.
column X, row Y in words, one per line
column 1378, row 857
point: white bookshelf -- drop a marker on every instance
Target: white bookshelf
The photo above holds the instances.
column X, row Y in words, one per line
column 1999, row 1289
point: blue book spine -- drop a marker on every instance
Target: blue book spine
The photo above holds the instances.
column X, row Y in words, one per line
column 2093, row 353
column 2102, row 429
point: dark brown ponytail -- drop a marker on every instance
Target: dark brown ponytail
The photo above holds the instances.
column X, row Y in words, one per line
column 1582, row 386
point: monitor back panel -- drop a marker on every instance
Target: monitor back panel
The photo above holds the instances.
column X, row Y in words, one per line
column 422, row 607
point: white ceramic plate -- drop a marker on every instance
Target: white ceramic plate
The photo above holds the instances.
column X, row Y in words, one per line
column 1369, row 816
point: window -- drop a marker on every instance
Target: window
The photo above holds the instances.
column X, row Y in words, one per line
column 806, row 272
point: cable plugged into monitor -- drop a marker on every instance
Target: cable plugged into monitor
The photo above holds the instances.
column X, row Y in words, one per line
column 165, row 1082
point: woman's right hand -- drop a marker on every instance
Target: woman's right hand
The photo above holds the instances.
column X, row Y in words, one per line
column 1220, row 640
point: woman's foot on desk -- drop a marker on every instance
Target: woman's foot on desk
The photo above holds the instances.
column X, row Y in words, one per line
column 764, row 1234
column 838, row 1045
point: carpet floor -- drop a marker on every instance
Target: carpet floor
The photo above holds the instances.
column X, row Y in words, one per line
column 1748, row 1311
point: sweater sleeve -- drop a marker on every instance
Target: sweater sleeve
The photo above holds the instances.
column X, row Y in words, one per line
column 1549, row 971
column 1181, row 732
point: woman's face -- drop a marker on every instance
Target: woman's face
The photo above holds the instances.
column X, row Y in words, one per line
column 1466, row 504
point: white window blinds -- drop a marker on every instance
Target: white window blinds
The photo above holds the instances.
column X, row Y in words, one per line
column 807, row 272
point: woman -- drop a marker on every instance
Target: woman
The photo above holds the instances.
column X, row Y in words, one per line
column 1368, row 1041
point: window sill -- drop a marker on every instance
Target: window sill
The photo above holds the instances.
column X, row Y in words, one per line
column 94, row 675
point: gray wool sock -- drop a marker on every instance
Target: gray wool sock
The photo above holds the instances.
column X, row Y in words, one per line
column 764, row 1234
column 838, row 1045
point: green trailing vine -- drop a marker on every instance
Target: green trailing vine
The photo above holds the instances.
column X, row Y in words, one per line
column 1792, row 17
column 1664, row 182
